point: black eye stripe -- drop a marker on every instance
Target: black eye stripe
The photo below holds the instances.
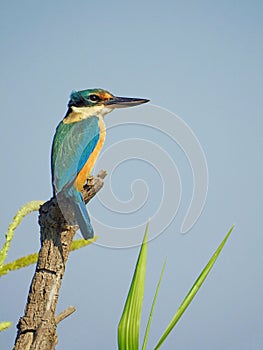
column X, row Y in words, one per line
column 94, row 98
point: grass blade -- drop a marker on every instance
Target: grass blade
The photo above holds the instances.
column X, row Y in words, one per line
column 146, row 336
column 193, row 291
column 129, row 325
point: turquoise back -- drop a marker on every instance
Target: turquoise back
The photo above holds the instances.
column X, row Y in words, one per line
column 72, row 145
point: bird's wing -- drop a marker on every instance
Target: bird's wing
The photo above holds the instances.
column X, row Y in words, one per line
column 72, row 145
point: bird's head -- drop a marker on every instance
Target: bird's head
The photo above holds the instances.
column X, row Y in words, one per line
column 99, row 101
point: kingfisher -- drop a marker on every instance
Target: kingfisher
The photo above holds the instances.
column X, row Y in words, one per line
column 77, row 143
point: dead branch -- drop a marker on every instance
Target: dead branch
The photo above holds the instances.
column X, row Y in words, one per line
column 37, row 328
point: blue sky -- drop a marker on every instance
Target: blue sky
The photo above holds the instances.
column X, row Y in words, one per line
column 201, row 60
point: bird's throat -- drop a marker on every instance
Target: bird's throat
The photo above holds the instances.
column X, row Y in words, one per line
column 80, row 113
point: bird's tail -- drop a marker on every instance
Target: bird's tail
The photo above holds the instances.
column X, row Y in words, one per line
column 80, row 210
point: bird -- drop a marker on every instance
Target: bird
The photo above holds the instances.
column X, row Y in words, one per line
column 78, row 140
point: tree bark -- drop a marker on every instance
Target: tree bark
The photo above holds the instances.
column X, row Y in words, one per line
column 37, row 328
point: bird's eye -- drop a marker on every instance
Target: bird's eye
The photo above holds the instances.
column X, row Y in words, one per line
column 94, row 98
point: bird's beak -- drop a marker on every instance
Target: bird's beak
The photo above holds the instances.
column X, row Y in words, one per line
column 122, row 102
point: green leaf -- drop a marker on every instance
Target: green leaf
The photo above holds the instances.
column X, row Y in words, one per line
column 5, row 325
column 193, row 291
column 129, row 325
column 152, row 309
column 80, row 243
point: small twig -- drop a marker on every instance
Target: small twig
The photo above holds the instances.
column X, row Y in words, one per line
column 94, row 184
column 67, row 312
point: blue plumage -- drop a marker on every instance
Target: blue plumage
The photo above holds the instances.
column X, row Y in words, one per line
column 72, row 147
column 82, row 216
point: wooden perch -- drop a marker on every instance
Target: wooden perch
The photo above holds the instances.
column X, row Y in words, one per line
column 37, row 328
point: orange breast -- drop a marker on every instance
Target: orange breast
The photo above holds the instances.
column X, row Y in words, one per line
column 86, row 170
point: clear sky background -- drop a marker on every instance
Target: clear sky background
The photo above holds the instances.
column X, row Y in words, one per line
column 201, row 60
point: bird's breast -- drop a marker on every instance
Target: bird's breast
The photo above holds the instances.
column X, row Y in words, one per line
column 89, row 165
